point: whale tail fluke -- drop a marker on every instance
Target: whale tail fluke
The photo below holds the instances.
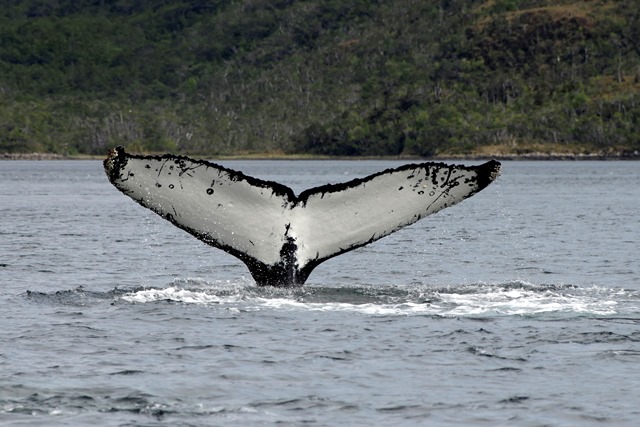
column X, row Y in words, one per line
column 282, row 237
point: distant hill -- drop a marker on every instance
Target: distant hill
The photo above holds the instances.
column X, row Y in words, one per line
column 335, row 77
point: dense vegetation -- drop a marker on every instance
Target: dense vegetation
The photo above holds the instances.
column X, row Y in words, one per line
column 334, row 77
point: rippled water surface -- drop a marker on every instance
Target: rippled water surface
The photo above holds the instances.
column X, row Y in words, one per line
column 520, row 306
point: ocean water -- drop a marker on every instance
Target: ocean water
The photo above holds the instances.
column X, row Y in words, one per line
column 519, row 306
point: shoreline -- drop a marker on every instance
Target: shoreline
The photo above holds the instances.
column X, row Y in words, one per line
column 32, row 156
column 632, row 155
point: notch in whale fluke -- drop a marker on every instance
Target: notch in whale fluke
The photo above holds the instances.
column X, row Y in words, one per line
column 279, row 235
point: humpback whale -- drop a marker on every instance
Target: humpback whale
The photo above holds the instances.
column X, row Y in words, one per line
column 281, row 236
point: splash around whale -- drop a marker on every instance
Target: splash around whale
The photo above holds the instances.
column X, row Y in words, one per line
column 281, row 236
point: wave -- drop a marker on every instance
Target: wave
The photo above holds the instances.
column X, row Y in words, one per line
column 515, row 298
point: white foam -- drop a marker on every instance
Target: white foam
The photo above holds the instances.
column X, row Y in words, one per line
column 475, row 300
column 523, row 301
column 373, row 309
column 172, row 294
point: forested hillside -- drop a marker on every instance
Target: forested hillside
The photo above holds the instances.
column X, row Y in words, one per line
column 334, row 77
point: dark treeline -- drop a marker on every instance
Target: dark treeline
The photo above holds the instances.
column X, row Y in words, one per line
column 330, row 77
